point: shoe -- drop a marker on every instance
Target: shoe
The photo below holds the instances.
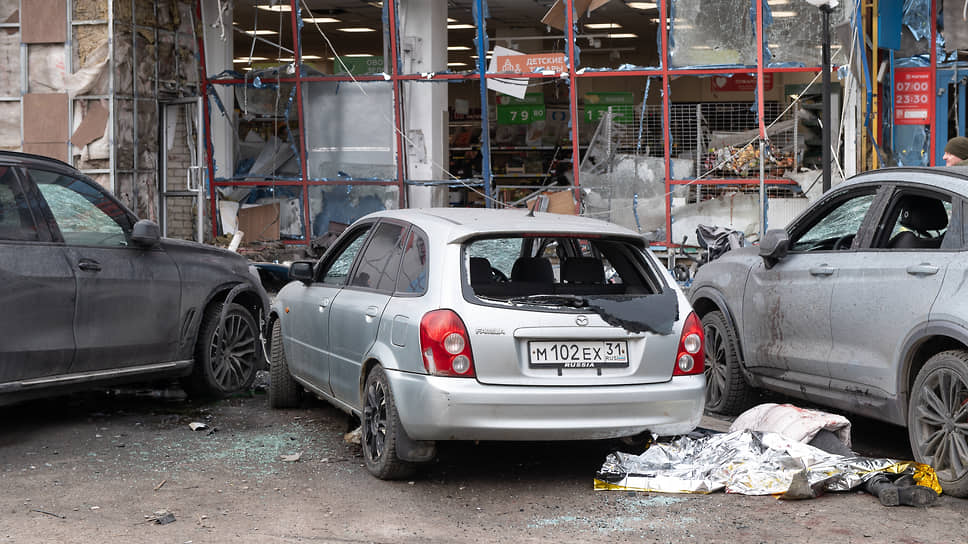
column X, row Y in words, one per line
column 881, row 487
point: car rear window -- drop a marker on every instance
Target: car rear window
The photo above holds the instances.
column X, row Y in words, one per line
column 516, row 266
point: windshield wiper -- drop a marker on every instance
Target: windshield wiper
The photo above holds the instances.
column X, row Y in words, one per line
column 574, row 301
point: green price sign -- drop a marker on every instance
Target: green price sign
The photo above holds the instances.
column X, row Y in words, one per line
column 622, row 105
column 512, row 111
column 359, row 65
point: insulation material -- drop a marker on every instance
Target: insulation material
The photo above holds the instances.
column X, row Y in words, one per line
column 167, row 14
column 124, row 189
column 711, row 32
column 167, row 69
column 738, row 211
column 187, row 60
column 46, row 71
column 44, row 21
column 147, row 59
column 88, row 42
column 10, row 126
column 9, row 11
column 144, row 12
column 124, row 134
column 90, row 10
column 147, row 133
column 123, row 74
column 147, row 195
column 9, row 62
column 186, row 18
column 95, row 154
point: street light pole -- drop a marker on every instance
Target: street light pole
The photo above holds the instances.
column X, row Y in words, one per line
column 825, row 155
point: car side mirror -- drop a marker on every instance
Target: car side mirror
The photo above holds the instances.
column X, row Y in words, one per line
column 774, row 246
column 146, row 233
column 301, row 271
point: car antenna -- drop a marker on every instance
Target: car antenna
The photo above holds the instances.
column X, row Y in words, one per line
column 533, row 206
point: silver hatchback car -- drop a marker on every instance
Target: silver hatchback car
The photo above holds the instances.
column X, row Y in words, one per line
column 861, row 304
column 482, row 324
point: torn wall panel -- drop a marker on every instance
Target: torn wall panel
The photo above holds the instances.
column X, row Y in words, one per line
column 10, row 11
column 144, row 12
column 46, row 119
column 124, row 134
column 43, row 21
column 187, row 60
column 123, row 73
column 167, row 68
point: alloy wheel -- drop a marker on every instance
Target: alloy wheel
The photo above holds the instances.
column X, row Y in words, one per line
column 375, row 420
column 715, row 369
column 941, row 423
column 233, row 352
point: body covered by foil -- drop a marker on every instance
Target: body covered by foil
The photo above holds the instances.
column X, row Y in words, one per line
column 745, row 462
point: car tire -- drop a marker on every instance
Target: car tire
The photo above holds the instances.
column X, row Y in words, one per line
column 937, row 419
column 381, row 427
column 284, row 391
column 224, row 363
column 726, row 389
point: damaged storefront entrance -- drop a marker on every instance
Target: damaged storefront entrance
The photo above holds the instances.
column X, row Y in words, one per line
column 181, row 156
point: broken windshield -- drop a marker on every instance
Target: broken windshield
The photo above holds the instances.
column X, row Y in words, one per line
column 607, row 276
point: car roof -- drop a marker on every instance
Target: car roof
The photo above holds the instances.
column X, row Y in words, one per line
column 16, row 158
column 461, row 223
column 950, row 178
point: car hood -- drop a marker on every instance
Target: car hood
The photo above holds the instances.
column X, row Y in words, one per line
column 186, row 252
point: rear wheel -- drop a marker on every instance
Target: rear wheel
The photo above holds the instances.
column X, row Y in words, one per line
column 381, row 427
column 284, row 391
column 726, row 389
column 227, row 357
column 938, row 419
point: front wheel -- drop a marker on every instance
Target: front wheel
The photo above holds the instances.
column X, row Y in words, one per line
column 381, row 428
column 284, row 391
column 938, row 419
column 226, row 357
column 726, row 389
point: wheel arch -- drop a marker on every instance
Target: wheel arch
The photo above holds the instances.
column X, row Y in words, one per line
column 918, row 348
column 240, row 293
column 705, row 300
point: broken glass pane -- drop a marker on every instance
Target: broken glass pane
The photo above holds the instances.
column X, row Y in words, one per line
column 711, row 32
column 796, row 33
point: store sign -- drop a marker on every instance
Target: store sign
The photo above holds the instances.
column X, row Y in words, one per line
column 512, row 111
column 740, row 83
column 911, row 96
column 526, row 64
column 359, row 65
column 621, row 104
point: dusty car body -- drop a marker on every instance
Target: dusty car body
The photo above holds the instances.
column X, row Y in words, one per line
column 469, row 324
column 93, row 296
column 859, row 304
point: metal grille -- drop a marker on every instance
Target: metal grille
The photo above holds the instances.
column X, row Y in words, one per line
column 720, row 137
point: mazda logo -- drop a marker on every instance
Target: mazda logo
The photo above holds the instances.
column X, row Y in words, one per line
column 581, row 321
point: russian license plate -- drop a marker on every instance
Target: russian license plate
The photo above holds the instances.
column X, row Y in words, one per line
column 582, row 354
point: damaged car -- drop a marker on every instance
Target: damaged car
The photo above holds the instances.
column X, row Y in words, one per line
column 859, row 304
column 93, row 296
column 483, row 324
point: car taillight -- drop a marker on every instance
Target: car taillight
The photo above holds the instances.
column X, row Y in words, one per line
column 444, row 345
column 690, row 356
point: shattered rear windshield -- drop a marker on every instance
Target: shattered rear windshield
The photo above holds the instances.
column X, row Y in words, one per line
column 608, row 276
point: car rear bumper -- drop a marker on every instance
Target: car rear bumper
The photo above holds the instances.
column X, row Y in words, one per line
column 439, row 408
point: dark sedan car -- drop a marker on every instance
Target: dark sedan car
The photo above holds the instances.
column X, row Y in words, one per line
column 93, row 296
column 861, row 304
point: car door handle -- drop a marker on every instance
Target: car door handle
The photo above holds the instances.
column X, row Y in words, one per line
column 822, row 270
column 89, row 265
column 372, row 311
column 923, row 269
